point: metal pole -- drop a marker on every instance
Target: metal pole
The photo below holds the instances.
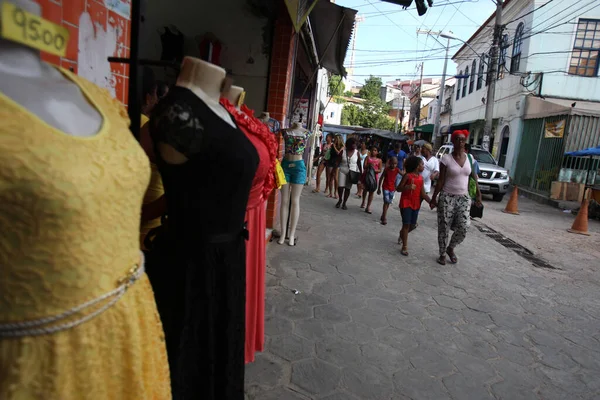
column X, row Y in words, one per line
column 438, row 117
column 492, row 74
column 403, row 112
column 397, row 115
column 134, row 107
column 418, row 122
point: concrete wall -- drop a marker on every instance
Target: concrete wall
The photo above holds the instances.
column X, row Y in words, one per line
column 509, row 100
column 231, row 22
column 561, row 39
column 333, row 113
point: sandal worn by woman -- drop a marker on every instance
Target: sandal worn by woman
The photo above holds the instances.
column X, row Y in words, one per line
column 404, row 251
column 453, row 258
column 441, row 260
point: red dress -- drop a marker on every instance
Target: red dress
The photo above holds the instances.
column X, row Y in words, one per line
column 266, row 147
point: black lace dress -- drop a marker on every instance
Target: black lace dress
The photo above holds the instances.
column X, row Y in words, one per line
column 197, row 267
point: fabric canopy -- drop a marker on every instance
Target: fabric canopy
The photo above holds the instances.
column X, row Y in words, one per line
column 592, row 151
column 424, row 128
column 359, row 130
column 332, row 27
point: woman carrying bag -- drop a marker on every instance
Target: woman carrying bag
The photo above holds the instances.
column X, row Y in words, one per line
column 349, row 173
column 454, row 204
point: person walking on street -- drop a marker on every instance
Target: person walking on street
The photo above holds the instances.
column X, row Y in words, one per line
column 416, row 150
column 473, row 160
column 399, row 154
column 349, row 172
column 325, row 157
column 454, row 201
column 413, row 193
column 431, row 169
column 371, row 170
column 363, row 154
column 334, row 164
column 388, row 181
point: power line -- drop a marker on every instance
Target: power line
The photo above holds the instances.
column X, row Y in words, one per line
column 391, row 20
column 530, row 12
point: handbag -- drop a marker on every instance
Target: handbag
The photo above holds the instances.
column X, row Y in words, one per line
column 353, row 175
column 279, row 175
column 476, row 212
column 472, row 182
column 371, row 180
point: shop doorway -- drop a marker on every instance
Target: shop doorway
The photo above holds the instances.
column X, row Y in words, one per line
column 504, row 146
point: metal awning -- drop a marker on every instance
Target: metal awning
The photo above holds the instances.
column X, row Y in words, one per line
column 332, row 27
column 548, row 107
column 428, row 128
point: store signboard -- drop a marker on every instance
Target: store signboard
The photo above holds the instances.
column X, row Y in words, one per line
column 299, row 10
column 555, row 129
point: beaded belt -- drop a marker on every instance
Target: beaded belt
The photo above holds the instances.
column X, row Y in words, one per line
column 40, row 326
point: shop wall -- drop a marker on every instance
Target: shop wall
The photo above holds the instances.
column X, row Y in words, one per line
column 231, row 21
column 98, row 30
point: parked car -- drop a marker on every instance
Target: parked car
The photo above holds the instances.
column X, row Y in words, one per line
column 493, row 179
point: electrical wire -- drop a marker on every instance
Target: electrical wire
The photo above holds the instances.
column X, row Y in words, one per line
column 530, row 12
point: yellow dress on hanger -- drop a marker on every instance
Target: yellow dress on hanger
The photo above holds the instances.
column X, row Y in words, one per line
column 70, row 217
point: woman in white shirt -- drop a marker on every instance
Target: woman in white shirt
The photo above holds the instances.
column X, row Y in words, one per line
column 349, row 172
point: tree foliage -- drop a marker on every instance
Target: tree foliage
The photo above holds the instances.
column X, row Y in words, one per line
column 371, row 88
column 336, row 86
column 372, row 112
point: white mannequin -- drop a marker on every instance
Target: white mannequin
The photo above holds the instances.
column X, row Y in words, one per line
column 206, row 81
column 291, row 193
column 234, row 93
column 42, row 89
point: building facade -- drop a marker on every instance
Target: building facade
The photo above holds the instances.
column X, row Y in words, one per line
column 548, row 51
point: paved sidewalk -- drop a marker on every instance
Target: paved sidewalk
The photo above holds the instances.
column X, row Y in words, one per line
column 369, row 323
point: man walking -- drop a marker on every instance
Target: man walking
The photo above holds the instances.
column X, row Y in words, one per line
column 432, row 167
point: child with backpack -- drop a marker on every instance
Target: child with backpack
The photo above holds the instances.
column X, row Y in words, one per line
column 413, row 192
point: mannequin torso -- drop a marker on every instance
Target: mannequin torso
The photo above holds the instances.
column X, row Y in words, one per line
column 204, row 80
column 59, row 103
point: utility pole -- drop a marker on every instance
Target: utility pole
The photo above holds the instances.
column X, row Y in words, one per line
column 418, row 122
column 397, row 115
column 492, row 74
column 438, row 116
column 403, row 111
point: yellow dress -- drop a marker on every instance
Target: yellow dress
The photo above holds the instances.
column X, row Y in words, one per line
column 155, row 191
column 70, row 217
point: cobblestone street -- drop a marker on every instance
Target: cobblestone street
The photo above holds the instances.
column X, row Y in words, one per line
column 368, row 323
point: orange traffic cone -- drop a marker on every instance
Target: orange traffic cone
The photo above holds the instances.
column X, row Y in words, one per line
column 512, row 207
column 580, row 225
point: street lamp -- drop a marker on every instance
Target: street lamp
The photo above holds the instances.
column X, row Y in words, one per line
column 449, row 36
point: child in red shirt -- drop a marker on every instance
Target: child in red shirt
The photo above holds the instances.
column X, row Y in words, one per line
column 388, row 179
column 413, row 192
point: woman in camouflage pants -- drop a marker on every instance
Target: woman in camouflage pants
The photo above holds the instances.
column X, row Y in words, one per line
column 454, row 202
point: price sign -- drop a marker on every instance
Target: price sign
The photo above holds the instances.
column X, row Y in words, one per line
column 33, row 31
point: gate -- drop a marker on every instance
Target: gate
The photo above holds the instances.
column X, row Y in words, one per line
column 540, row 157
